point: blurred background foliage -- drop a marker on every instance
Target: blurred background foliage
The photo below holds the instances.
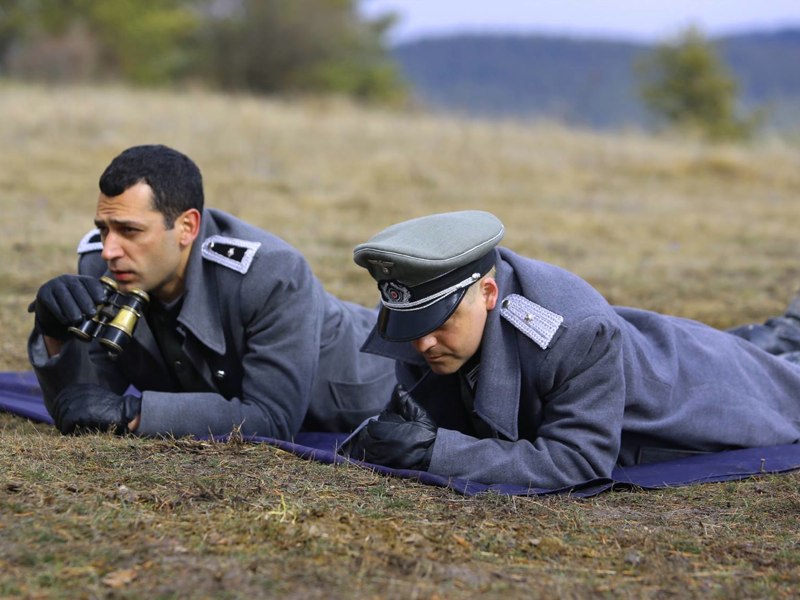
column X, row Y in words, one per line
column 238, row 45
column 330, row 47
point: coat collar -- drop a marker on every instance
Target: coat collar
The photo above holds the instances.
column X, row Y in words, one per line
column 200, row 311
column 498, row 394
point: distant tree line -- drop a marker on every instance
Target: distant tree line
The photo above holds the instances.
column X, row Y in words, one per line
column 252, row 45
column 739, row 85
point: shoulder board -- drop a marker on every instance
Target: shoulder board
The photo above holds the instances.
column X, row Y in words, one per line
column 533, row 320
column 91, row 242
column 233, row 253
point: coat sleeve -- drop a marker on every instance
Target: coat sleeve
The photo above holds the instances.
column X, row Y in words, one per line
column 582, row 386
column 281, row 324
column 78, row 362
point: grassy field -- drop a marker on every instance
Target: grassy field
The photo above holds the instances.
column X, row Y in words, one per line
column 673, row 225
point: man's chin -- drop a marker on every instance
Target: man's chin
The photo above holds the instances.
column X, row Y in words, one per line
column 443, row 367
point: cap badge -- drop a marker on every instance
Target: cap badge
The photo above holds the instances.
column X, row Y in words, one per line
column 395, row 292
column 384, row 265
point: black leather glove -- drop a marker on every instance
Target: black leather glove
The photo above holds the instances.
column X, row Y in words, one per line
column 84, row 407
column 401, row 437
column 66, row 300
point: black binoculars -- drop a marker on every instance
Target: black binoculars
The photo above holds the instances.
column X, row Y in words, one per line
column 116, row 317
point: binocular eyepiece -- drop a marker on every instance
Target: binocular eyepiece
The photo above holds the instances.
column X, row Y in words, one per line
column 116, row 317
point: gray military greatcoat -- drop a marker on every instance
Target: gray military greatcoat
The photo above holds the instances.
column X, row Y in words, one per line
column 269, row 350
column 569, row 386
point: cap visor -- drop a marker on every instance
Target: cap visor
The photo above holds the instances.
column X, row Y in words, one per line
column 408, row 325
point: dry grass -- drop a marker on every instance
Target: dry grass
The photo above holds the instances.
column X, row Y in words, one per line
column 708, row 232
column 109, row 517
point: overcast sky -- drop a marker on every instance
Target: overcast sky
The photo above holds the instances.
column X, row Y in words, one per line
column 643, row 20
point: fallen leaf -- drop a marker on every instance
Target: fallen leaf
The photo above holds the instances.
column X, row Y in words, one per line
column 120, row 578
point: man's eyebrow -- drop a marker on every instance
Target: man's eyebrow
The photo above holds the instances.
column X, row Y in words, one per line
column 118, row 222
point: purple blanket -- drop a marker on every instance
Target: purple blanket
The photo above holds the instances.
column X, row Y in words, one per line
column 20, row 395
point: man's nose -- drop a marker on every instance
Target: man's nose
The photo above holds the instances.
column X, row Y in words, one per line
column 425, row 343
column 111, row 248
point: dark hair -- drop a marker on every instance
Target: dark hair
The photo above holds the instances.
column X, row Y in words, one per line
column 174, row 178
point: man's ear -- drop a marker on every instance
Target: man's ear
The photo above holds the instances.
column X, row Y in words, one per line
column 490, row 292
column 189, row 226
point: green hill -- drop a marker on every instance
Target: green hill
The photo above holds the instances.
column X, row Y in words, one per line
column 582, row 81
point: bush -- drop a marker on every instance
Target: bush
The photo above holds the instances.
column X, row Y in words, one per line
column 685, row 84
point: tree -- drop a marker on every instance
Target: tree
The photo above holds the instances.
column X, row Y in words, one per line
column 256, row 45
column 141, row 41
column 300, row 45
column 147, row 41
column 684, row 83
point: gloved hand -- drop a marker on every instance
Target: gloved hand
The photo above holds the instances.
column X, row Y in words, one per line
column 66, row 300
column 401, row 437
column 84, row 407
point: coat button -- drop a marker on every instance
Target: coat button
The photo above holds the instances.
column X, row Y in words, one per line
column 178, row 365
column 220, row 374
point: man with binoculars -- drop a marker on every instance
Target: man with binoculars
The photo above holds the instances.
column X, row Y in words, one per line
column 184, row 320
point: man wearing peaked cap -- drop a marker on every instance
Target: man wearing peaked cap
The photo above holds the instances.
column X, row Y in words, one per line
column 424, row 268
column 512, row 370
